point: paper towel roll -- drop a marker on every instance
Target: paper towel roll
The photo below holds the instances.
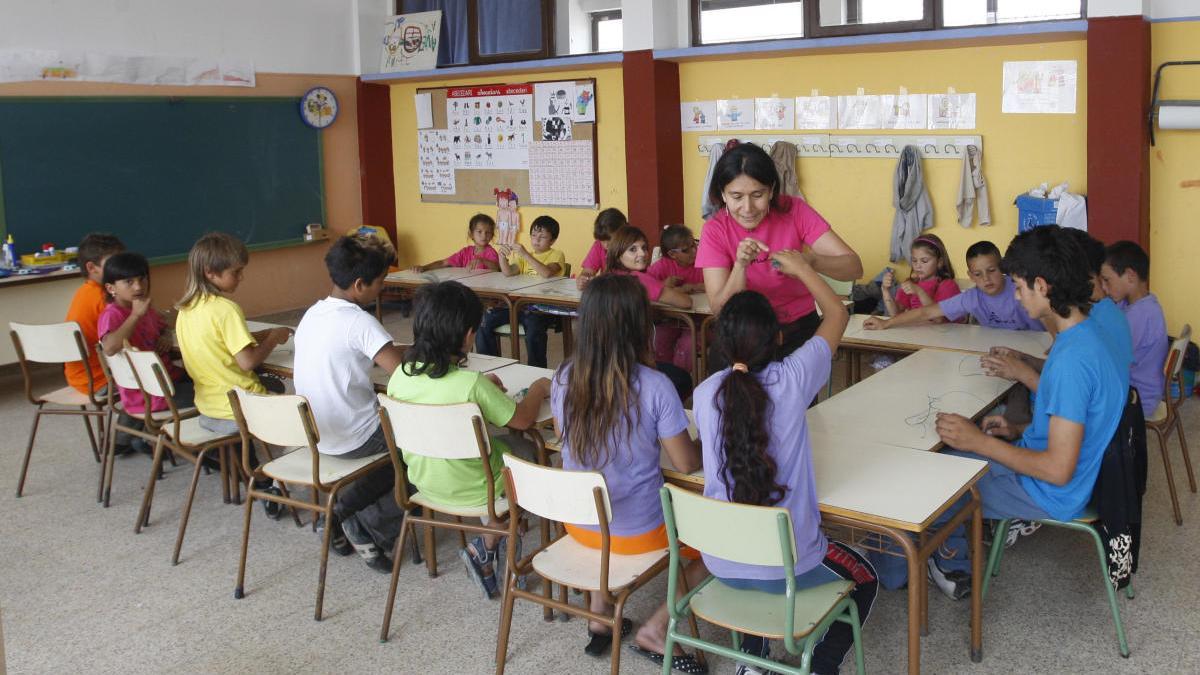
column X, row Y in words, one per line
column 1178, row 117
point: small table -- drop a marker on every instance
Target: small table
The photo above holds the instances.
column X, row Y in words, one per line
column 405, row 282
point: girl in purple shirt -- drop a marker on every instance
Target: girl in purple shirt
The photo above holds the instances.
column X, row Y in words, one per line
column 757, row 449
column 478, row 256
column 613, row 412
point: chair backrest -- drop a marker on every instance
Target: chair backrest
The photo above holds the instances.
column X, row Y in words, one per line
column 842, row 288
column 1177, row 351
column 49, row 343
column 278, row 419
column 144, row 365
column 738, row 532
column 566, row 270
column 117, row 369
column 452, row 431
column 556, row 494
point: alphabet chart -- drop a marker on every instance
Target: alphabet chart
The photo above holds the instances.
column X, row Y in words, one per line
column 435, row 169
column 490, row 127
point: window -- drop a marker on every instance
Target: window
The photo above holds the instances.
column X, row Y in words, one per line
column 716, row 21
column 489, row 31
column 607, row 33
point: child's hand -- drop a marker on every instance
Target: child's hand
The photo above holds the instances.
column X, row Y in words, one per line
column 506, row 250
column 875, row 323
column 959, row 432
column 583, row 279
column 417, row 269
column 141, row 306
column 889, row 278
column 520, row 249
column 1008, row 366
column 749, row 249
column 671, row 281
column 279, row 335
column 908, row 287
column 790, row 262
column 996, row 425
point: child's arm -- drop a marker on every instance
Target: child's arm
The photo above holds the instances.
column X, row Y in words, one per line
column 675, row 298
column 1056, row 464
column 252, row 356
column 889, row 302
column 1012, row 365
column 544, row 271
column 585, row 275
column 721, row 284
column 683, row 451
column 912, row 288
column 435, row 265
column 484, row 263
column 506, row 267
column 833, row 312
column 389, row 357
column 527, row 410
column 116, row 338
column 922, row 315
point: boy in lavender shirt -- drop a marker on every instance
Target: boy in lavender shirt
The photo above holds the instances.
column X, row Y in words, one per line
column 1126, row 278
column 992, row 302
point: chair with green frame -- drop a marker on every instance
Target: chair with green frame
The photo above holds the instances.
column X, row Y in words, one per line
column 755, row 535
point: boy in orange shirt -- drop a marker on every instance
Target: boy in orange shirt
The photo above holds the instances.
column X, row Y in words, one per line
column 86, row 307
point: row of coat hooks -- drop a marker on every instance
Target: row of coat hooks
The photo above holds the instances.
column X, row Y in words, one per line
column 873, row 145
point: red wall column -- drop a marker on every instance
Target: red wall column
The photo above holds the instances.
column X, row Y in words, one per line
column 653, row 162
column 1118, row 101
column 375, row 156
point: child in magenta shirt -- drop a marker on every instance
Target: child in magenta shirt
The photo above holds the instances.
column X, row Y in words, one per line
column 629, row 253
column 607, row 221
column 130, row 318
column 931, row 282
column 676, row 269
column 479, row 255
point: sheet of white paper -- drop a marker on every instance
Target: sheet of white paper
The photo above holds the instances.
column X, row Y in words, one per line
column 775, row 113
column 951, row 111
column 25, row 65
column 816, row 112
column 859, row 112
column 562, row 173
column 554, row 99
column 698, row 116
column 1039, row 87
column 435, row 168
column 735, row 114
column 903, row 111
column 424, row 104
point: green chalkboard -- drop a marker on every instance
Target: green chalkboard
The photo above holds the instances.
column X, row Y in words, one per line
column 158, row 172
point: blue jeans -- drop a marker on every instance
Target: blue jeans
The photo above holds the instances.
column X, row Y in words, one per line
column 1003, row 497
column 535, row 325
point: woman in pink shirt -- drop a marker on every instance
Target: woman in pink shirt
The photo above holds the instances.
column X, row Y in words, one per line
column 756, row 219
column 931, row 282
column 607, row 221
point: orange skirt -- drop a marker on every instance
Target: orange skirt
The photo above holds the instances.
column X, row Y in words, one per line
column 633, row 544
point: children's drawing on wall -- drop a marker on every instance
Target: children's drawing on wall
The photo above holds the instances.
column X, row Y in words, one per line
column 735, row 114
column 774, row 113
column 903, row 111
column 585, row 103
column 861, row 111
column 556, row 99
column 816, row 112
column 556, row 129
column 952, row 111
column 410, row 41
column 698, row 116
column 508, row 221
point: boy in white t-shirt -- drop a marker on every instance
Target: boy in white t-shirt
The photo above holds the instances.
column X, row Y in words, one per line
column 337, row 344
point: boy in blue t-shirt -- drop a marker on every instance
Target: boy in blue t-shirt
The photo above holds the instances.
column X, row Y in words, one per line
column 1047, row 469
column 992, row 302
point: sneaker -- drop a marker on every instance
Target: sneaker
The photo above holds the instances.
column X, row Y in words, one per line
column 274, row 510
column 954, row 585
column 361, row 540
column 480, row 566
column 1020, row 528
column 502, row 563
column 337, row 539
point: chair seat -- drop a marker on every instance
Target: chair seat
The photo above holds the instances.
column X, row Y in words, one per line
column 507, row 330
column 463, row 511
column 296, row 467
column 191, row 433
column 1159, row 414
column 65, row 396
column 765, row 614
column 158, row 415
column 570, row 563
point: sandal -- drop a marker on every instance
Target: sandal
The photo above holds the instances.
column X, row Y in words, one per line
column 600, row 642
column 684, row 663
column 475, row 564
column 501, row 556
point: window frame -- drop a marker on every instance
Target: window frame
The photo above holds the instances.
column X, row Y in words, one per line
column 594, row 18
column 475, row 58
column 814, row 29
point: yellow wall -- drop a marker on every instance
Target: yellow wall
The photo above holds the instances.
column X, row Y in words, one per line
column 429, row 231
column 854, row 195
column 1175, row 184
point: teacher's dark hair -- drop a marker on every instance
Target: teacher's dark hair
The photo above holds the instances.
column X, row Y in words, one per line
column 442, row 315
column 750, row 160
column 747, row 329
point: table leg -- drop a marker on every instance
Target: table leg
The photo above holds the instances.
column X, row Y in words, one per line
column 514, row 325
column 923, row 582
column 977, row 554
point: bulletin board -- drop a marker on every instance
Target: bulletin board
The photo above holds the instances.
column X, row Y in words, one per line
column 535, row 138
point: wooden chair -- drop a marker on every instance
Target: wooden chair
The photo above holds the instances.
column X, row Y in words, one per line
column 577, row 497
column 118, row 372
column 287, row 421
column 756, row 535
column 454, row 431
column 55, row 343
column 1166, row 416
column 182, row 435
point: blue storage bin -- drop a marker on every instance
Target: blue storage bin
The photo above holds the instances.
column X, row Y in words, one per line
column 1032, row 212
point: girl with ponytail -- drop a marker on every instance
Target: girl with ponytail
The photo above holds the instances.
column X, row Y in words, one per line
column 756, row 447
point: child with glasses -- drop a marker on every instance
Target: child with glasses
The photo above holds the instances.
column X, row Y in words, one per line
column 677, row 270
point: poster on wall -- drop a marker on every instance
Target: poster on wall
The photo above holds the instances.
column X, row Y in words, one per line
column 585, row 102
column 816, row 112
column 554, row 99
column 774, row 113
column 951, row 111
column 435, row 170
column 490, row 127
column 1039, row 87
column 49, row 65
column 698, row 116
column 859, row 112
column 903, row 111
column 410, row 42
column 735, row 114
column 562, row 173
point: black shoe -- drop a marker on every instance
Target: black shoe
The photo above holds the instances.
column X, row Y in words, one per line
column 360, row 540
column 122, row 449
column 954, row 585
column 337, row 539
column 599, row 643
column 274, row 510
column 380, row 563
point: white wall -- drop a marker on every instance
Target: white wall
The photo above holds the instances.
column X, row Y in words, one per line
column 1100, row 8
column 1171, row 9
column 279, row 36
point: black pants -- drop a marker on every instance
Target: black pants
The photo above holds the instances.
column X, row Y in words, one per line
column 370, row 488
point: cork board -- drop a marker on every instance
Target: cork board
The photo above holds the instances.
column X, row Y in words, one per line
column 476, row 185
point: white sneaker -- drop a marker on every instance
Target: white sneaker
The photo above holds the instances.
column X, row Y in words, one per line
column 954, row 585
column 1020, row 528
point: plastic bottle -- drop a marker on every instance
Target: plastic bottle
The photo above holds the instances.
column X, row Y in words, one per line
column 10, row 253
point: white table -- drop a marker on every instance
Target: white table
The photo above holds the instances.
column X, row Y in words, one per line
column 433, row 276
column 898, row 406
column 518, row 376
column 948, row 336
